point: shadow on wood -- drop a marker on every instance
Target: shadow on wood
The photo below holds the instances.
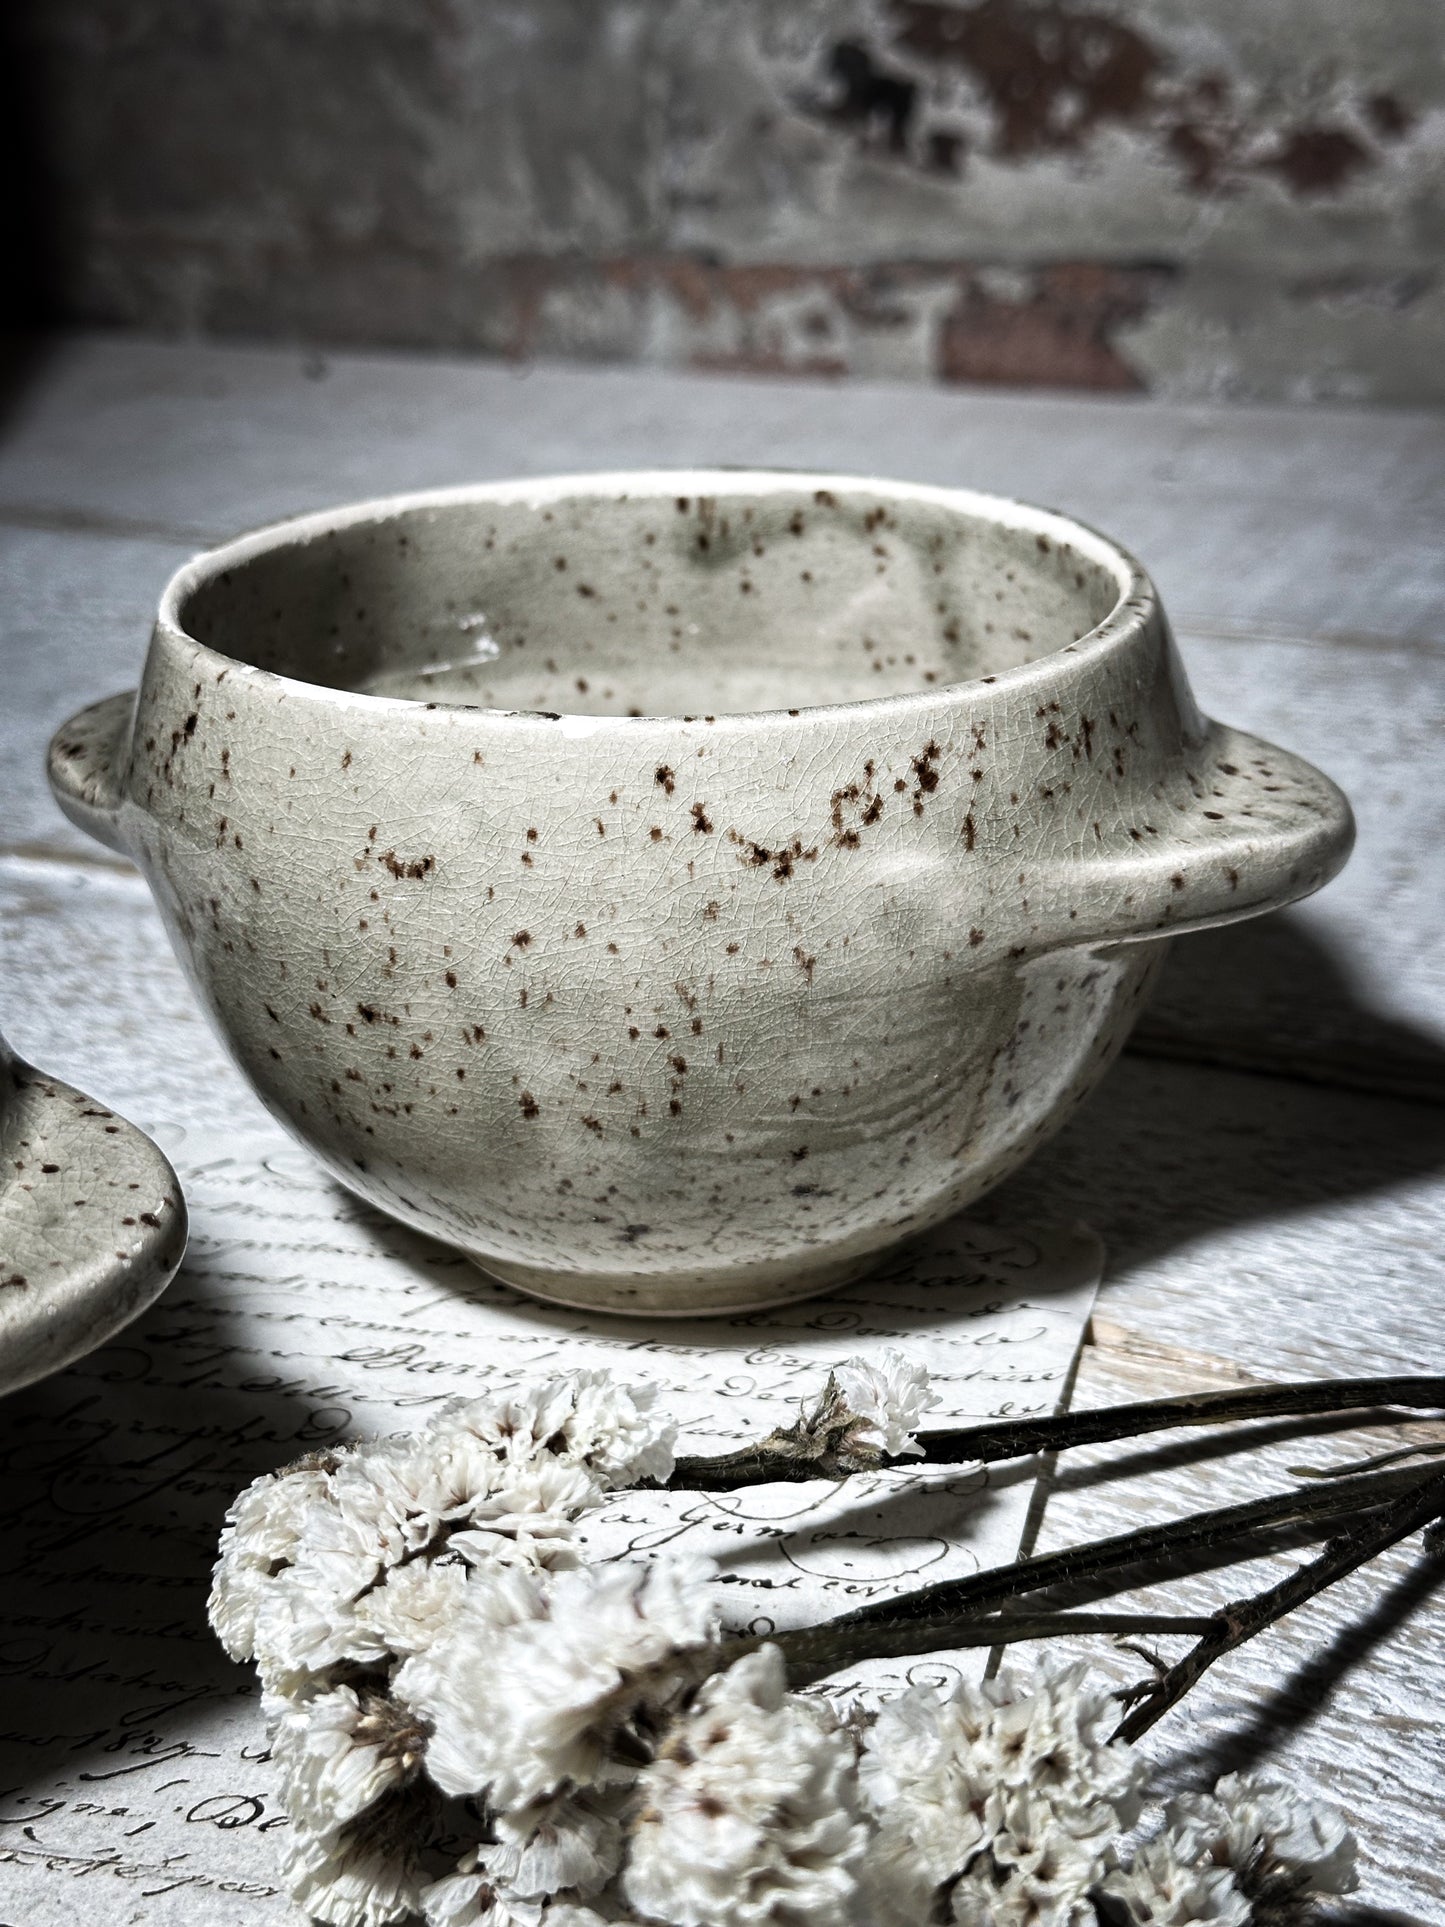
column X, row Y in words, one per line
column 1303, row 1695
column 1177, row 1146
column 1266, row 996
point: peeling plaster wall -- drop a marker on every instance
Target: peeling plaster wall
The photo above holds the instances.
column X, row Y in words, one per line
column 1193, row 197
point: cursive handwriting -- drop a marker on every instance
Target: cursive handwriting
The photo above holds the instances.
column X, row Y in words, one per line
column 131, row 1750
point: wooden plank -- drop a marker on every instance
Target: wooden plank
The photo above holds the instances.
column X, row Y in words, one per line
column 1321, row 519
column 1348, row 988
column 1340, row 1697
column 75, row 618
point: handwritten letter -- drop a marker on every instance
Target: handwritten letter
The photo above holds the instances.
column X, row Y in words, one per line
column 134, row 1783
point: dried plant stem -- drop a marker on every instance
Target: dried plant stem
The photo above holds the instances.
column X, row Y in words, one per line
column 810, row 1655
column 811, row 1659
column 1243, row 1619
column 936, row 1615
column 779, row 1458
column 1311, row 1397
column 1012, row 1628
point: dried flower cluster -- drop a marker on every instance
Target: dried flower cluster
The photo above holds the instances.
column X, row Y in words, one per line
column 866, row 1412
column 1254, row 1853
column 470, row 1725
column 998, row 1803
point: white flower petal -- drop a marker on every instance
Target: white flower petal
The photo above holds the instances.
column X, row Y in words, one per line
column 1249, row 1812
column 888, row 1395
column 615, row 1432
column 263, row 1529
column 581, row 1418
column 413, row 1606
column 1162, row 1888
column 337, row 1753
column 1021, row 1900
column 749, row 1813
column 571, row 1841
column 534, row 1682
column 1022, row 1773
column 347, row 1885
column 570, row 1913
column 306, row 1622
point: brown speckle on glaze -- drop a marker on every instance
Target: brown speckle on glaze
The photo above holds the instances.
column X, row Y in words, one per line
column 414, row 868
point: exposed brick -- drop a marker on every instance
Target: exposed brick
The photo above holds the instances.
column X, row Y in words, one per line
column 1058, row 335
column 915, row 189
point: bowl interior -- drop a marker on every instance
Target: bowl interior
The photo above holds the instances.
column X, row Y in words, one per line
column 615, row 603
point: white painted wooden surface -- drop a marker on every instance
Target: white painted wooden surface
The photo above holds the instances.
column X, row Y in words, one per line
column 1265, row 1165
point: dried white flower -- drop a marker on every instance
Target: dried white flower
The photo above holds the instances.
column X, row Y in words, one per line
column 306, row 1552
column 997, row 1770
column 362, row 1875
column 470, row 1898
column 352, row 1889
column 615, row 1432
column 528, row 1519
column 615, row 1772
column 570, row 1841
column 1264, row 1831
column 398, row 1498
column 536, row 1682
column 1163, row 1888
column 865, row 1413
column 457, row 1685
column 1252, row 1850
column 302, row 1614
column 338, row 1752
column 1050, row 1736
column 1033, row 1873
column 414, row 1605
column 1025, row 1900
column 930, row 1784
column 887, row 1397
column 262, row 1531
column 749, row 1812
column 305, row 1622
column 580, row 1418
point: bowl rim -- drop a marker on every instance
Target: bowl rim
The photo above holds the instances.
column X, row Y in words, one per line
column 1136, row 603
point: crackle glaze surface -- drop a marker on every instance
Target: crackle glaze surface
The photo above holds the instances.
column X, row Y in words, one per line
column 676, row 889
column 92, row 1223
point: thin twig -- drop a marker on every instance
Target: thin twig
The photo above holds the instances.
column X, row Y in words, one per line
column 1371, row 1464
column 918, row 1620
column 777, row 1459
column 1009, row 1629
column 1243, row 1619
column 948, row 1633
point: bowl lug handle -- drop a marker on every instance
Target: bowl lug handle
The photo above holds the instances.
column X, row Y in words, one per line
column 1261, row 829
column 86, row 764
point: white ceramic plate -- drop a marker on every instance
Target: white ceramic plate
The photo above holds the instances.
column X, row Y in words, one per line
column 92, row 1223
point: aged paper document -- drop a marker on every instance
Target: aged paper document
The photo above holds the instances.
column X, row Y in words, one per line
column 134, row 1784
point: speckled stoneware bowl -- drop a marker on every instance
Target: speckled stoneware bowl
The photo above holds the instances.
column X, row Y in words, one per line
column 675, row 889
column 92, row 1223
